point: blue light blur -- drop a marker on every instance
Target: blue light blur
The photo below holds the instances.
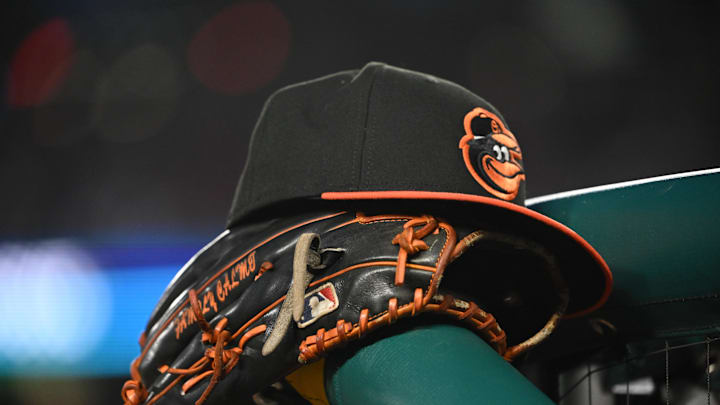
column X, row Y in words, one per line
column 77, row 309
column 134, row 291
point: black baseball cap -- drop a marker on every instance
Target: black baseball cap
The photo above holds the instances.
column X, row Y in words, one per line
column 386, row 133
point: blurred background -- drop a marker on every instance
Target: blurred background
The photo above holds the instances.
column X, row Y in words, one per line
column 124, row 128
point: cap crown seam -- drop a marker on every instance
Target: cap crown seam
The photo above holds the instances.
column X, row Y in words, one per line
column 366, row 128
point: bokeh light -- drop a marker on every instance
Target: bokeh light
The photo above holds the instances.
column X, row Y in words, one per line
column 40, row 64
column 55, row 304
column 240, row 49
column 592, row 35
column 137, row 95
column 66, row 117
column 516, row 71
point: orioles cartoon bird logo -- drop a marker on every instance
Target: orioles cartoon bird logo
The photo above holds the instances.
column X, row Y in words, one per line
column 492, row 154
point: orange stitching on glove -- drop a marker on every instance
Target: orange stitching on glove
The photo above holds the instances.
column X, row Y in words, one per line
column 197, row 309
column 133, row 392
column 154, row 336
column 221, row 360
column 199, row 365
column 470, row 311
column 191, row 382
column 315, row 346
column 363, row 321
column 442, row 262
column 134, row 389
column 265, row 266
column 342, row 330
column 417, row 301
column 340, row 326
column 446, row 302
column 320, row 341
column 410, row 242
column 481, row 320
column 392, row 310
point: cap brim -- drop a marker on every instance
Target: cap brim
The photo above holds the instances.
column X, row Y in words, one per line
column 588, row 276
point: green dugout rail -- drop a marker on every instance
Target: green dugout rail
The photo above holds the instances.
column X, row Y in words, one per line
column 440, row 364
column 661, row 239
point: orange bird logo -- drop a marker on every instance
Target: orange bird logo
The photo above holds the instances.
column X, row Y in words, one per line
column 492, row 154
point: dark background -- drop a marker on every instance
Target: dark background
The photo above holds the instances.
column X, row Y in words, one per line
column 133, row 117
column 143, row 129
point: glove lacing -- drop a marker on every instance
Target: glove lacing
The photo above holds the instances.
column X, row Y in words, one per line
column 222, row 360
column 410, row 242
column 307, row 256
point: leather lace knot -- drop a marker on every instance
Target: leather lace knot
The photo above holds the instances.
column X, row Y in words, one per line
column 133, row 392
column 221, row 359
column 410, row 242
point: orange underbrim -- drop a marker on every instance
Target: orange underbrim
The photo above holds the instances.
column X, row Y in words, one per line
column 432, row 195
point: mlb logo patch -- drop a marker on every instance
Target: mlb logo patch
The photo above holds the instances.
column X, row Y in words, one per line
column 318, row 303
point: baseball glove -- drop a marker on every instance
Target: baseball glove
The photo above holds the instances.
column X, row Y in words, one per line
column 265, row 298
